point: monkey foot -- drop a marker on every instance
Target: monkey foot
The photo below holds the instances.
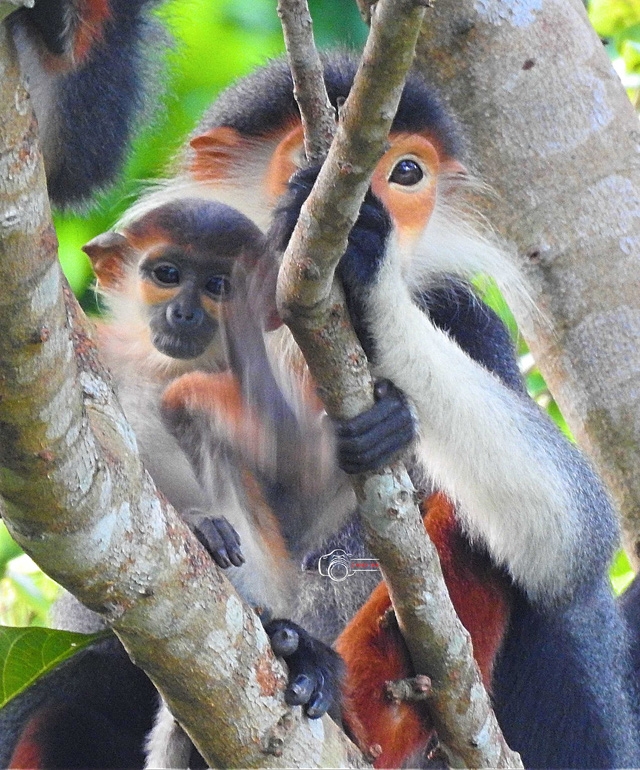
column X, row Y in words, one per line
column 315, row 669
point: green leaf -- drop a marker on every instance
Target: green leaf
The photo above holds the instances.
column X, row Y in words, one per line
column 28, row 653
column 9, row 549
column 621, row 573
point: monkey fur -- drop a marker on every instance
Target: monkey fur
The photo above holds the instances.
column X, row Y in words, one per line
column 517, row 513
column 88, row 65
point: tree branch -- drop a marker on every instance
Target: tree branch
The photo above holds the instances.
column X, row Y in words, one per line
column 79, row 502
column 316, row 112
column 311, row 303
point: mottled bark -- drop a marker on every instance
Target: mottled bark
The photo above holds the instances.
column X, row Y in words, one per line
column 312, row 305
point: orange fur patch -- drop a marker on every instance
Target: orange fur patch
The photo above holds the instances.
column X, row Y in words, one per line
column 283, row 162
column 90, row 29
column 150, row 294
column 215, row 154
column 410, row 207
column 219, row 397
column 28, row 751
column 374, row 651
column 213, row 308
column 265, row 521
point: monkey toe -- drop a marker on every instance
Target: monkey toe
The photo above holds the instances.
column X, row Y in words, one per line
column 315, row 669
column 221, row 541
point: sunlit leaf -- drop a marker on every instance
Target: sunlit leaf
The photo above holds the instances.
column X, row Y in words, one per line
column 610, row 17
column 621, row 573
column 28, row 653
column 9, row 549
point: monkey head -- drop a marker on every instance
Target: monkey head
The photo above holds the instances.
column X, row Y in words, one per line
column 170, row 273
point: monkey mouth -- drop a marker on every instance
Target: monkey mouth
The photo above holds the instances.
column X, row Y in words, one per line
column 175, row 346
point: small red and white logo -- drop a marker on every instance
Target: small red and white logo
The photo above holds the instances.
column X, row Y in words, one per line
column 339, row 565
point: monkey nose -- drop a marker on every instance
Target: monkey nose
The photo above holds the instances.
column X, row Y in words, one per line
column 178, row 316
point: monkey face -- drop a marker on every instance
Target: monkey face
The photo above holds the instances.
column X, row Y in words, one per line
column 172, row 270
column 185, row 298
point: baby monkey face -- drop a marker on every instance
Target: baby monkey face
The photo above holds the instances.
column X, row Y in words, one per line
column 185, row 293
column 178, row 263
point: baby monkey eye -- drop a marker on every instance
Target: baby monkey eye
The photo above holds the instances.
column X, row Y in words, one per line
column 169, row 275
column 406, row 172
column 218, row 286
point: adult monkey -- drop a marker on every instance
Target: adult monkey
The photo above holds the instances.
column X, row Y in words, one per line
column 532, row 530
column 523, row 525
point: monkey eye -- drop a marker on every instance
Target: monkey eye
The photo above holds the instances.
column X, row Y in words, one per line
column 407, row 172
column 218, row 286
column 168, row 275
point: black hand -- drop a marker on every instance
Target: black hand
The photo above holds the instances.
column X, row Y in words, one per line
column 221, row 541
column 375, row 437
column 315, row 670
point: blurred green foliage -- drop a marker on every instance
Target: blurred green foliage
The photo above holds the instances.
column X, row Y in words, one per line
column 618, row 23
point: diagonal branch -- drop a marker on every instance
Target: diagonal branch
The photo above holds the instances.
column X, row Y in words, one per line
column 316, row 112
column 311, row 303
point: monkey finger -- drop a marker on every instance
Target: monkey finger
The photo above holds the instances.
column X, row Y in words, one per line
column 284, row 641
column 221, row 541
column 390, row 406
column 376, row 454
column 300, row 690
column 314, row 669
column 318, row 705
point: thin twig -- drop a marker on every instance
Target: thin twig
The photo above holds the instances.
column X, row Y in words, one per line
column 312, row 306
column 317, row 114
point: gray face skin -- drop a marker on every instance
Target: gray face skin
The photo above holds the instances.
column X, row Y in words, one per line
column 185, row 324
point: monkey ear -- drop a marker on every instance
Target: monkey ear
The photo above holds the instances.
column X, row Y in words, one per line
column 215, row 151
column 109, row 252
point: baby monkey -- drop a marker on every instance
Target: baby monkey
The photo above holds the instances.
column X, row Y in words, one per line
column 167, row 282
column 176, row 283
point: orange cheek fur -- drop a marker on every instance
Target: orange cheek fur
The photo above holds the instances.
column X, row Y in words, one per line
column 374, row 651
column 215, row 310
column 410, row 208
column 151, row 295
